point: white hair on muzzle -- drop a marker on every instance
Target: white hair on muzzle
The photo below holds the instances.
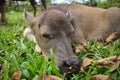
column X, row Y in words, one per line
column 28, row 34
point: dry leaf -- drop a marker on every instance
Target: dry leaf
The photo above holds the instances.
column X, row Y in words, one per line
column 106, row 60
column 112, row 62
column 83, row 47
column 49, row 77
column 17, row 75
column 86, row 62
column 101, row 77
column 115, row 66
column 114, row 36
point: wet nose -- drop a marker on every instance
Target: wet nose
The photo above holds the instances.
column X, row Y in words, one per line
column 72, row 61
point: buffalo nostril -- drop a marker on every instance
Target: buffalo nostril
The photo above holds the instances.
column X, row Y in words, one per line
column 72, row 61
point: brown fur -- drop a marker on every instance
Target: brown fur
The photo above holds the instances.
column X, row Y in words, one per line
column 60, row 25
column 92, row 23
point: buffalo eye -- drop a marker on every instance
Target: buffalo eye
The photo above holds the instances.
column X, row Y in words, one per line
column 48, row 36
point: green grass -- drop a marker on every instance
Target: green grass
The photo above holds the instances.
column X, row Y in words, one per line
column 18, row 54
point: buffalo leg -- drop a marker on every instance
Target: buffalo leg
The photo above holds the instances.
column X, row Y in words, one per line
column 33, row 4
column 44, row 3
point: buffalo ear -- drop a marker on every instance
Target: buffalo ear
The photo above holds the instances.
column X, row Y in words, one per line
column 28, row 17
column 69, row 15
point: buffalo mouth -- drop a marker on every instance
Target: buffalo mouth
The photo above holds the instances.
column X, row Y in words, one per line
column 66, row 68
column 67, row 65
